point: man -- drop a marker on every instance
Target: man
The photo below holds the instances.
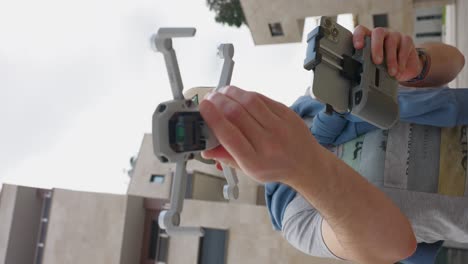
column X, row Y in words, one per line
column 336, row 212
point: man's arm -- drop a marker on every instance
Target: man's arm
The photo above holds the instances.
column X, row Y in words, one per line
column 360, row 222
column 270, row 143
column 446, row 62
column 403, row 61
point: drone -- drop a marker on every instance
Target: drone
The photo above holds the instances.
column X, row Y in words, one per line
column 180, row 133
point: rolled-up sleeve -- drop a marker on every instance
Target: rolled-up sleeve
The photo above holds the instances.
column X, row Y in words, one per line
column 302, row 228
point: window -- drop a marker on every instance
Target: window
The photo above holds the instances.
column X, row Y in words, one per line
column 204, row 186
column 429, row 34
column 429, row 17
column 45, row 214
column 189, row 184
column 428, row 24
column 163, row 249
column 261, row 195
column 212, row 247
column 158, row 243
column 154, row 233
column 276, row 29
column 380, row 20
column 157, row 178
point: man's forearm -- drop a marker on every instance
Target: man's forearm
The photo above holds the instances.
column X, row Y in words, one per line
column 369, row 227
column 446, row 62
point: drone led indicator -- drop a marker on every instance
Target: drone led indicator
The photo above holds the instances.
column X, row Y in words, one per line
column 180, row 133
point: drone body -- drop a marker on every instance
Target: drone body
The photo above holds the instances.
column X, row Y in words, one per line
column 180, row 133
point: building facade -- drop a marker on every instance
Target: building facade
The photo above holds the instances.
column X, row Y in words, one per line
column 20, row 222
column 279, row 21
column 65, row 226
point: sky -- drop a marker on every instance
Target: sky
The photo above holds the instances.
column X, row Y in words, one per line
column 79, row 82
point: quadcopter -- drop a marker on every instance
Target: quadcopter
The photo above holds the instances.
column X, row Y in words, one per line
column 180, row 133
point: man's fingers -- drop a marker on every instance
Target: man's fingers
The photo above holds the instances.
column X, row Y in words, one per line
column 377, row 44
column 219, row 154
column 238, row 116
column 216, row 153
column 406, row 46
column 218, row 166
column 413, row 66
column 228, row 135
column 253, row 104
column 359, row 35
column 391, row 46
column 279, row 109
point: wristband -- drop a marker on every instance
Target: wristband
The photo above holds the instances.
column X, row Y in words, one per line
column 426, row 58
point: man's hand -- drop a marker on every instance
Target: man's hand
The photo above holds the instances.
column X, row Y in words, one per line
column 270, row 143
column 263, row 138
column 398, row 49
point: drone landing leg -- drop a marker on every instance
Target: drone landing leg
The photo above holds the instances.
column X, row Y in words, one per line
column 170, row 219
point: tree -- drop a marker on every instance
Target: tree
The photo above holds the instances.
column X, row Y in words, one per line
column 227, row 12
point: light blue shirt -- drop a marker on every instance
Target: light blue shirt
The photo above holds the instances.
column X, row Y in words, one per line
column 442, row 107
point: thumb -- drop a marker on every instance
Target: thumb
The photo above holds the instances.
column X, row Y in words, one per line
column 219, row 153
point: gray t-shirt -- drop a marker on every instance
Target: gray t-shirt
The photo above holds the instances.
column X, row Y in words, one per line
column 423, row 169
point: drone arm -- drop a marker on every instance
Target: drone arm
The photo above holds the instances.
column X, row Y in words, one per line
column 230, row 190
column 170, row 220
column 174, row 74
column 226, row 51
column 162, row 42
column 179, row 185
